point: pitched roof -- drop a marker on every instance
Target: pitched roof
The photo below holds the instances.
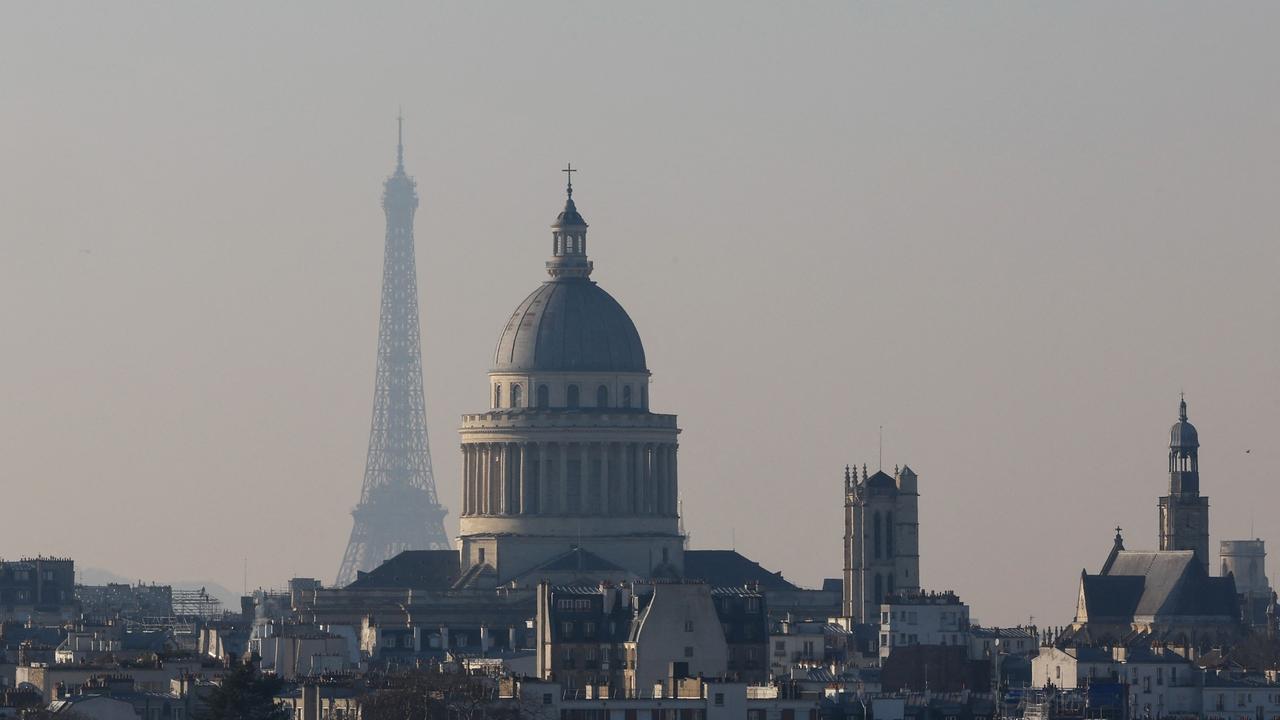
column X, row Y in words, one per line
column 1156, row 584
column 729, row 568
column 576, row 560
column 415, row 569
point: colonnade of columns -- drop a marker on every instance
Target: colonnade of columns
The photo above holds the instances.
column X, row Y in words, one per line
column 570, row 478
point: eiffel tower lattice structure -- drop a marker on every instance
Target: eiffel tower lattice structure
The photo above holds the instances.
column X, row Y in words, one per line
column 398, row 507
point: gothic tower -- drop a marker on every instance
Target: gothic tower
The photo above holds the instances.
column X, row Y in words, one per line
column 398, row 507
column 568, row 458
column 881, row 539
column 1184, row 512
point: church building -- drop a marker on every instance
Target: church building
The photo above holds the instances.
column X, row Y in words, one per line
column 568, row 468
column 881, row 540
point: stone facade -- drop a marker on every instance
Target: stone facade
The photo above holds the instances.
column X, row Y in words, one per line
column 569, row 454
column 1184, row 512
column 881, row 540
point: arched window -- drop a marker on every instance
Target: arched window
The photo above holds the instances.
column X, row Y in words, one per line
column 879, row 596
column 515, row 396
column 644, row 397
column 888, row 535
column 875, row 534
column 544, row 396
column 626, row 396
column 602, row 396
column 497, row 395
column 890, row 588
column 571, row 397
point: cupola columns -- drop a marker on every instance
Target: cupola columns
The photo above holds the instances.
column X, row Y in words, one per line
column 569, row 238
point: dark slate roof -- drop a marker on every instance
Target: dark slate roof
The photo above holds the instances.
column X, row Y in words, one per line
column 728, row 568
column 1183, row 434
column 416, row 569
column 1111, row 597
column 570, row 324
column 576, row 560
column 1161, row 583
column 881, row 481
column 569, row 217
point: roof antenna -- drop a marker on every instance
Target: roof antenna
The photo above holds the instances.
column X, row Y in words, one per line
column 400, row 139
column 882, row 447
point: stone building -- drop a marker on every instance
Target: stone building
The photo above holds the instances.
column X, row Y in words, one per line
column 881, row 540
column 1246, row 561
column 38, row 589
column 568, row 453
column 919, row 618
column 1165, row 596
column 1184, row 512
column 626, row 637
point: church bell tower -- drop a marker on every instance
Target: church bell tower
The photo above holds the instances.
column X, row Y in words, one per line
column 1184, row 512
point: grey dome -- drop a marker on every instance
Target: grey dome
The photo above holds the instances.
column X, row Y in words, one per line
column 1183, row 434
column 570, row 324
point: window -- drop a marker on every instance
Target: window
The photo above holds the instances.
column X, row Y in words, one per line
column 497, row 395
column 571, row 397
column 879, row 588
column 875, row 534
column 688, row 651
column 644, row 397
column 589, row 629
column 566, row 628
column 602, row 396
column 546, row 698
column 688, row 626
column 481, row 555
column 515, row 396
column 780, row 647
column 719, row 699
column 544, row 396
column 753, row 605
column 626, row 396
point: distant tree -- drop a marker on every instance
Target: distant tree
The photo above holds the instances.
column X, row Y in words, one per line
column 244, row 694
column 1256, row 652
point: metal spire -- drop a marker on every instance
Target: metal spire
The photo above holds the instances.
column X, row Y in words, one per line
column 569, row 171
column 398, row 509
column 1182, row 406
column 400, row 142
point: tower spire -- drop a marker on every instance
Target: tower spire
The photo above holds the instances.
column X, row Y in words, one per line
column 569, row 237
column 398, row 509
column 400, row 142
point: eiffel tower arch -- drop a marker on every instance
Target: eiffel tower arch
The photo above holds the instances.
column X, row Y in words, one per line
column 398, row 507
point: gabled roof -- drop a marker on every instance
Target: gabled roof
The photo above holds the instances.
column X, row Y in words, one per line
column 575, row 560
column 1151, row 584
column 414, row 569
column 728, row 568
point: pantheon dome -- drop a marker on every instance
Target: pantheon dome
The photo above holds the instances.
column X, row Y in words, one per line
column 568, row 458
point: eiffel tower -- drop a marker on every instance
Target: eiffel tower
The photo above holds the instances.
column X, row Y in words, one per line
column 398, row 507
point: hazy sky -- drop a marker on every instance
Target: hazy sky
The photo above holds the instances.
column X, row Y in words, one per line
column 1010, row 234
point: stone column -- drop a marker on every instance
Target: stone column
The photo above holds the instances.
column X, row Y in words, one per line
column 504, row 479
column 564, row 477
column 584, row 478
column 674, row 475
column 605, row 449
column 625, row 505
column 646, row 464
column 523, row 449
column 544, row 478
column 482, row 479
column 466, row 479
column 660, row 479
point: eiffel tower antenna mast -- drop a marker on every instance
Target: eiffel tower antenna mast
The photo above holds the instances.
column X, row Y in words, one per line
column 398, row 507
